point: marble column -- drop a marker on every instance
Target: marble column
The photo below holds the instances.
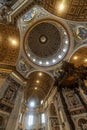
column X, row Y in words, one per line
column 62, row 115
column 66, row 110
column 14, row 117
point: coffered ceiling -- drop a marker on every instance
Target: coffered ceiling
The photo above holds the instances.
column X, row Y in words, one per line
column 75, row 10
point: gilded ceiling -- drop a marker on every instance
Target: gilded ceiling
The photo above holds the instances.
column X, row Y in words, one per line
column 75, row 10
column 79, row 57
column 9, row 35
column 38, row 86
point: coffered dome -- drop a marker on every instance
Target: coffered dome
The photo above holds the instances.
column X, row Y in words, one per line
column 41, row 40
column 46, row 43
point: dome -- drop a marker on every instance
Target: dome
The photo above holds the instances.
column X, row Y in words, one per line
column 47, row 43
column 9, row 43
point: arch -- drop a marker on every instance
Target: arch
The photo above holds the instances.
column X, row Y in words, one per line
column 39, row 83
column 42, row 71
